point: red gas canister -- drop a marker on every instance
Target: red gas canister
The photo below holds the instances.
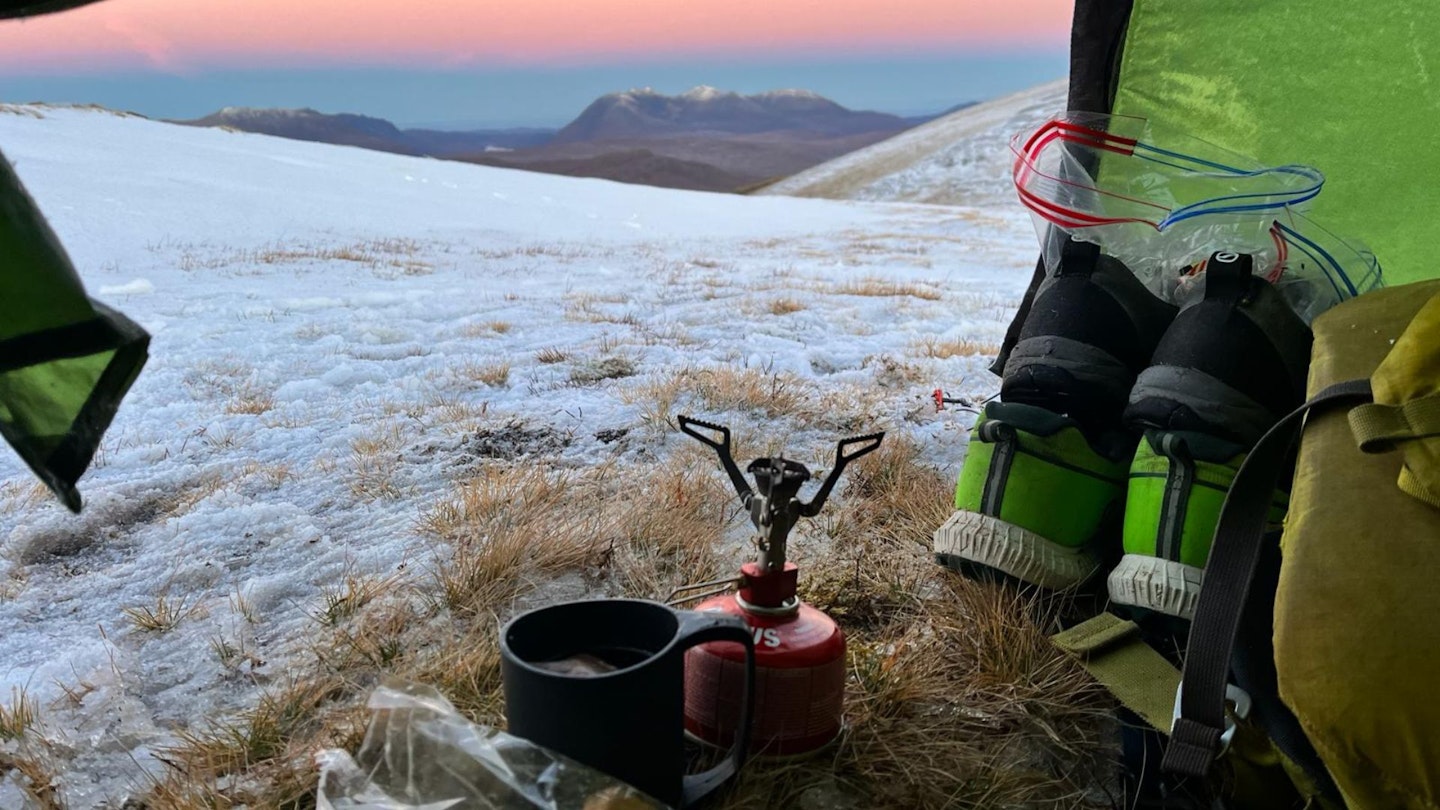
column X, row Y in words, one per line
column 799, row 681
column 799, row 651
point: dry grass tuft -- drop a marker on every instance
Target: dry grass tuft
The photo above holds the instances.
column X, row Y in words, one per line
column 506, row 525
column 785, row 306
column 467, row 671
column 725, row 388
column 374, row 460
column 718, row 390
column 19, row 716
column 36, row 778
column 944, row 349
column 667, row 538
column 20, row 495
column 551, row 355
column 880, row 287
column 343, row 600
column 272, row 741
column 162, row 617
column 494, row 374
column 247, row 397
column 486, row 329
column 454, row 415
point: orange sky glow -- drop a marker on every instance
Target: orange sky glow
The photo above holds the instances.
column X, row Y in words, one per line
column 183, row 36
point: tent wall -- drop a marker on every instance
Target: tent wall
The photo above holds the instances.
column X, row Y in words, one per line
column 66, row 362
column 1350, row 88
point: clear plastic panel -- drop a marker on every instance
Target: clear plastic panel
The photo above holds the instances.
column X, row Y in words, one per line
column 420, row 754
column 1163, row 202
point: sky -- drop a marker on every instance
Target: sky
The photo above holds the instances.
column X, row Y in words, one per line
column 524, row 62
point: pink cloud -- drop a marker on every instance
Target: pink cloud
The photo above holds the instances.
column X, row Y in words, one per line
column 178, row 34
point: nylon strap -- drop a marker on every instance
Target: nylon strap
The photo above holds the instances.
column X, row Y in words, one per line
column 1234, row 555
column 1114, row 653
column 1382, row 428
column 1378, row 428
column 1411, row 485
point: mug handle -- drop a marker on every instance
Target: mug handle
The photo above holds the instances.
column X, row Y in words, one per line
column 698, row 628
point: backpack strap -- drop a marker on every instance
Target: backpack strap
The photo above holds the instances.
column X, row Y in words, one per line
column 1383, row 428
column 1115, row 654
column 1200, row 722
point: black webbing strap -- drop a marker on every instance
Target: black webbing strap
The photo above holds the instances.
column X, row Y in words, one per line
column 1239, row 537
column 80, row 339
column 1097, row 37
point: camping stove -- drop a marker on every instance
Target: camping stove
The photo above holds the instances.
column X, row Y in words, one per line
column 799, row 651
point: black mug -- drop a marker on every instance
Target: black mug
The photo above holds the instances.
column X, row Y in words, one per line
column 603, row 682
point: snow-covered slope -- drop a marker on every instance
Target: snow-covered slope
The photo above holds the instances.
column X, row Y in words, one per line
column 330, row 327
column 960, row 159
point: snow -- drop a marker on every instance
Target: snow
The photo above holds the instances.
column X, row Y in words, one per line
column 703, row 92
column 789, row 92
column 304, row 298
column 960, row 159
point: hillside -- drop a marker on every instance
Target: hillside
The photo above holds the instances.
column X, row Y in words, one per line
column 698, row 162
column 636, row 165
column 958, row 159
column 344, row 129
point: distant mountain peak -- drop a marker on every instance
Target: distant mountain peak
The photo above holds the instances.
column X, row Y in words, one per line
column 790, row 93
column 643, row 112
column 704, row 92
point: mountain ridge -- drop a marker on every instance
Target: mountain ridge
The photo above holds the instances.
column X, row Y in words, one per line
column 643, row 112
column 704, row 138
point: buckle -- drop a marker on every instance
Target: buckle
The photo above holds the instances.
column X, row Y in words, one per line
column 1238, row 708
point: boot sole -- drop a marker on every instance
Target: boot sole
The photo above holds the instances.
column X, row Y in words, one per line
column 1162, row 586
column 970, row 539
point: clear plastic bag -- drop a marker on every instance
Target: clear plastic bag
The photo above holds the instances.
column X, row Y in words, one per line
column 1162, row 202
column 421, row 754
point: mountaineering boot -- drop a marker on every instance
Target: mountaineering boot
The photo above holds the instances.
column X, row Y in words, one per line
column 1178, row 482
column 1045, row 470
column 1230, row 365
column 1091, row 330
column 1032, row 495
column 1228, row 368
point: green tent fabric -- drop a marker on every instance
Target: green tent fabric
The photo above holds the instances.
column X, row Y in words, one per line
column 1350, row 88
column 66, row 362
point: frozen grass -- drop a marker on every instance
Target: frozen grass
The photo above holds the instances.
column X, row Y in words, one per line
column 36, row 778
column 494, row 374
column 955, row 697
column 785, row 306
column 877, row 287
column 946, row 348
column 161, row 616
column 18, row 716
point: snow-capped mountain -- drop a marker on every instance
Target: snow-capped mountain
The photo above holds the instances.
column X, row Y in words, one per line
column 645, row 113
